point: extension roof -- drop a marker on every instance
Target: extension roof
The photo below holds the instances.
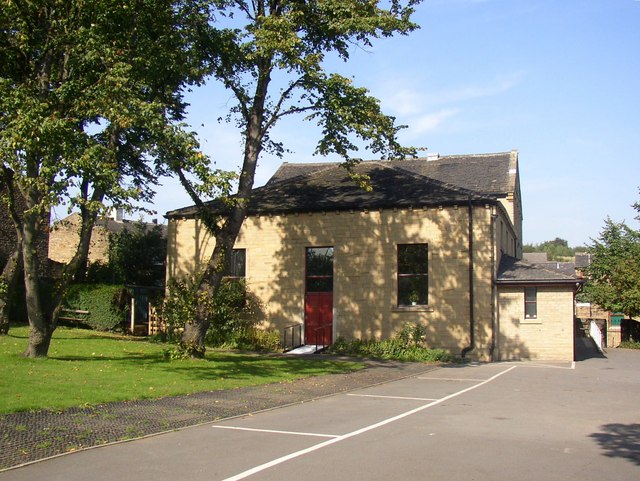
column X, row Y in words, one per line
column 395, row 184
column 518, row 271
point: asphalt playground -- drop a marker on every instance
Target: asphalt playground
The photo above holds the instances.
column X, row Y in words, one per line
column 515, row 421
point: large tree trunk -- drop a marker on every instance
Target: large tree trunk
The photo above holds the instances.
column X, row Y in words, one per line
column 9, row 279
column 193, row 337
column 41, row 328
column 43, row 311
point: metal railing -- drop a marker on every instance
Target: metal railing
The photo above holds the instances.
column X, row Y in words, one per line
column 320, row 334
column 292, row 337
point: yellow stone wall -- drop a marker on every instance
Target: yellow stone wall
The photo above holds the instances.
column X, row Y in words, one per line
column 365, row 269
column 65, row 236
column 549, row 336
column 365, row 273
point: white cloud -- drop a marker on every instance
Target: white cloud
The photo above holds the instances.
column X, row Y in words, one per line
column 470, row 92
column 425, row 123
column 426, row 108
column 413, row 97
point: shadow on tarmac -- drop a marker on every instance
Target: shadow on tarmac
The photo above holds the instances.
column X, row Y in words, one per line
column 585, row 348
column 620, row 441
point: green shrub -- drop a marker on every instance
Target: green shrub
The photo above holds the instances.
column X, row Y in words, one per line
column 179, row 306
column 253, row 339
column 233, row 315
column 103, row 301
column 406, row 346
column 630, row 344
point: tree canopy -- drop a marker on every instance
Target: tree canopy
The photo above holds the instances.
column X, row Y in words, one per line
column 272, row 58
column 91, row 104
column 614, row 273
column 90, row 97
column 557, row 249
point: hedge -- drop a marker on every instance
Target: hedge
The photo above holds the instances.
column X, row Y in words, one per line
column 101, row 300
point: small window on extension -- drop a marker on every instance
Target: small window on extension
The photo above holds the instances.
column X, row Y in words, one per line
column 530, row 303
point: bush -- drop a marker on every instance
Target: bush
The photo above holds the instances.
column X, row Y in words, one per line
column 406, row 346
column 252, row 339
column 234, row 315
column 179, row 307
column 630, row 345
column 103, row 301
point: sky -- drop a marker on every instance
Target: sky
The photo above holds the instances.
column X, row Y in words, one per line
column 557, row 80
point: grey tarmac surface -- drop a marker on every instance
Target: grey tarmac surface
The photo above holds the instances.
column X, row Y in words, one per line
column 515, row 421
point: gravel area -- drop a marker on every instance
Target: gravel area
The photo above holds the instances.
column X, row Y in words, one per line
column 29, row 436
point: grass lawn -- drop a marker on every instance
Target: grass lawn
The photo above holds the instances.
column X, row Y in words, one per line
column 88, row 367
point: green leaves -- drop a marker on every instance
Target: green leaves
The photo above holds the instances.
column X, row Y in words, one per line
column 343, row 111
column 288, row 41
column 614, row 273
column 90, row 95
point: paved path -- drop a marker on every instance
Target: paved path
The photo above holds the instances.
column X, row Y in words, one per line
column 524, row 421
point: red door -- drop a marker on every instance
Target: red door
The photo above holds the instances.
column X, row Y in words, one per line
column 318, row 299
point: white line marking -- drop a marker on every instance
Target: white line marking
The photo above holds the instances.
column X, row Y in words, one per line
column 302, row 452
column 422, row 378
column 394, row 397
column 235, row 428
column 547, row 366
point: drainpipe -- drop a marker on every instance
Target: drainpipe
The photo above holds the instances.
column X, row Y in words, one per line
column 494, row 326
column 472, row 321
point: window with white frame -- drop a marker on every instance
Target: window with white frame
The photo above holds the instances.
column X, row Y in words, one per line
column 530, row 303
column 413, row 274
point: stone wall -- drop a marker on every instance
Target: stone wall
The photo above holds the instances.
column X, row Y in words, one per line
column 65, row 235
column 549, row 336
column 8, row 236
column 64, row 238
column 365, row 269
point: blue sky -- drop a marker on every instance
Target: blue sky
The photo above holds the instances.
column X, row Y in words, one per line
column 557, row 80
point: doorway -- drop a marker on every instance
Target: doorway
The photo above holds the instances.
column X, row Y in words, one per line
column 318, row 298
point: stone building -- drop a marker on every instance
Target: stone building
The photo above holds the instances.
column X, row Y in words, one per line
column 8, row 237
column 65, row 235
column 436, row 241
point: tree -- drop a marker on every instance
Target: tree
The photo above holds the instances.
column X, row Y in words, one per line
column 137, row 256
column 90, row 93
column 289, row 41
column 614, row 273
column 557, row 249
column 8, row 282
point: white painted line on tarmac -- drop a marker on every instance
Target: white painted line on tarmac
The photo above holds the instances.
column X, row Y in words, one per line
column 302, row 452
column 423, row 378
column 394, row 397
column 546, row 366
column 273, row 431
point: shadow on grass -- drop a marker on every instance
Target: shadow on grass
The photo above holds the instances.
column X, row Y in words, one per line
column 63, row 335
column 231, row 367
column 249, row 367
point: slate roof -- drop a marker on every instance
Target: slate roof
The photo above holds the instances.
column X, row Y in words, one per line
column 535, row 257
column 518, row 271
column 396, row 183
column 486, row 173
